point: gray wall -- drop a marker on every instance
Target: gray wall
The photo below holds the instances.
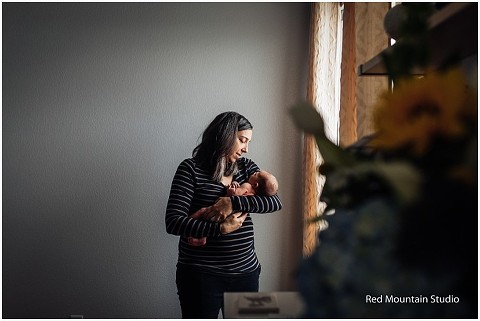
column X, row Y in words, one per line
column 100, row 104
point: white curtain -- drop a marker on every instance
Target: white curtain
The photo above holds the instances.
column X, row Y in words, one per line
column 327, row 64
column 324, row 94
column 343, row 99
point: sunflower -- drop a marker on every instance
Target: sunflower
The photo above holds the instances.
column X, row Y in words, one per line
column 421, row 109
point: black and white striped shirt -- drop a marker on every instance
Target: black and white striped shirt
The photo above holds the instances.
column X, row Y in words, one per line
column 192, row 188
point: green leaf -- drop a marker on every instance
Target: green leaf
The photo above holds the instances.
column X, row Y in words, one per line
column 333, row 154
column 307, row 118
column 404, row 179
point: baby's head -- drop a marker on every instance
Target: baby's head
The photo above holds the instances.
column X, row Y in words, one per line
column 264, row 183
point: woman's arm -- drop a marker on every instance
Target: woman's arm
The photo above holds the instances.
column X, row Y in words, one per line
column 256, row 204
column 177, row 219
column 246, row 204
column 225, row 206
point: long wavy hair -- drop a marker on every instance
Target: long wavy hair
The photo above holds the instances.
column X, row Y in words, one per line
column 217, row 142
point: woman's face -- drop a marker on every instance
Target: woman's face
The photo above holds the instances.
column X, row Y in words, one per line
column 240, row 146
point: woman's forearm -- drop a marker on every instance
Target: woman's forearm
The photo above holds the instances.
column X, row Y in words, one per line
column 256, row 204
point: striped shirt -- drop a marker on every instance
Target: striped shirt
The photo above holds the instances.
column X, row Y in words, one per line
column 192, row 188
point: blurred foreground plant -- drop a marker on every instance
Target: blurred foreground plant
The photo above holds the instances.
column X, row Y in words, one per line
column 405, row 201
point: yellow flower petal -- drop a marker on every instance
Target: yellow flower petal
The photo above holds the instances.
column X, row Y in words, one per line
column 420, row 109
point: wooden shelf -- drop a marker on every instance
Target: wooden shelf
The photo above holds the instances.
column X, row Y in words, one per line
column 453, row 29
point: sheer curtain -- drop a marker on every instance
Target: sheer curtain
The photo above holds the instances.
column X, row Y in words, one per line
column 342, row 35
column 323, row 93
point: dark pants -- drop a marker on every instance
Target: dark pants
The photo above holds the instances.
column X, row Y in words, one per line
column 201, row 294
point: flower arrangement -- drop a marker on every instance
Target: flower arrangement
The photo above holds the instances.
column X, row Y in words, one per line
column 403, row 240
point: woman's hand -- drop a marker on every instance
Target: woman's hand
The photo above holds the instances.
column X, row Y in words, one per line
column 232, row 223
column 233, row 187
column 219, row 211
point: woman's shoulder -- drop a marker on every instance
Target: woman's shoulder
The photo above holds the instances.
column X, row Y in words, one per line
column 188, row 161
column 188, row 164
column 247, row 164
column 242, row 161
column 191, row 165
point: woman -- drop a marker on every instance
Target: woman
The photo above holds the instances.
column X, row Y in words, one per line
column 227, row 263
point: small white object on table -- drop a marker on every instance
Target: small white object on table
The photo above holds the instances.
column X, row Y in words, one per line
column 259, row 305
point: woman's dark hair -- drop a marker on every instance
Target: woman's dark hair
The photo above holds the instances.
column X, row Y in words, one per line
column 217, row 142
